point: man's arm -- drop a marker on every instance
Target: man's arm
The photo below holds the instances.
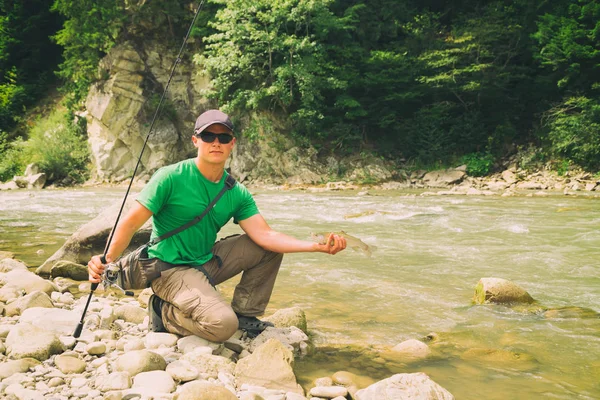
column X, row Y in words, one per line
column 127, row 227
column 261, row 233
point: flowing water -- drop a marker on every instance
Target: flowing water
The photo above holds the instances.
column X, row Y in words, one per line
column 431, row 252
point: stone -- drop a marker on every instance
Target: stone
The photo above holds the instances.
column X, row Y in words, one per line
column 69, row 269
column 190, row 343
column 34, row 299
column 28, row 341
column 500, row 291
column 10, row 367
column 10, row 264
column 36, row 181
column 138, row 361
column 57, row 320
column 270, row 366
column 208, row 364
column 69, row 364
column 412, row 349
column 27, row 281
column 95, row 348
column 289, row 317
column 144, row 297
column 509, row 177
column 324, row 381
column 182, row 371
column 405, row 386
column 328, row 392
column 204, row 391
column 154, row 340
column 91, row 238
column 130, row 313
column 292, row 337
column 443, row 178
column 114, row 381
column 155, row 381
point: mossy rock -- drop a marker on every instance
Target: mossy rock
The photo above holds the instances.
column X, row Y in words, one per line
column 571, row 312
column 500, row 291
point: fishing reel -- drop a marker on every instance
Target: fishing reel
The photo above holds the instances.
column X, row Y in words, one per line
column 110, row 276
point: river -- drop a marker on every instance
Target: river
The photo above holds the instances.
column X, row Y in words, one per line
column 431, row 252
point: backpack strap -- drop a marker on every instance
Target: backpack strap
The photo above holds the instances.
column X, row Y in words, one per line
column 229, row 184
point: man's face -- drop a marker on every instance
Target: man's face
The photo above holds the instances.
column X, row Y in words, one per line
column 209, row 144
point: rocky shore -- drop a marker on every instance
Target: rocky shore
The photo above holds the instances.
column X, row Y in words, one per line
column 117, row 358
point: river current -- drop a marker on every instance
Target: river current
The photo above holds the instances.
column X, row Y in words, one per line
column 430, row 253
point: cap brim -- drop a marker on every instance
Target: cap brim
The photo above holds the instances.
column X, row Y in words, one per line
column 203, row 127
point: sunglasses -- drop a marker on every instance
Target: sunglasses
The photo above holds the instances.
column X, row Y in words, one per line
column 209, row 137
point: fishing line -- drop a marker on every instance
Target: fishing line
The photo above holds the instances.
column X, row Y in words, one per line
column 79, row 328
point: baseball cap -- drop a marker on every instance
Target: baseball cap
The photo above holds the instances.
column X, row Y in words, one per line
column 210, row 117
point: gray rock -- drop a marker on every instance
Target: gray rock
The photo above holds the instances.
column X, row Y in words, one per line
column 138, row 361
column 292, row 337
column 34, row 299
column 28, row 341
column 443, row 178
column 270, row 366
column 417, row 386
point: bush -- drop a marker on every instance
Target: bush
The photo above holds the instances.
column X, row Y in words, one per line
column 575, row 131
column 478, row 164
column 11, row 159
column 59, row 148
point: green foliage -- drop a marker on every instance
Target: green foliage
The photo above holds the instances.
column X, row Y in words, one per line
column 11, row 160
column 575, row 131
column 59, row 148
column 478, row 164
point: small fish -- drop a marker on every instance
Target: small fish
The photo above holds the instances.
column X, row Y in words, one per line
column 353, row 242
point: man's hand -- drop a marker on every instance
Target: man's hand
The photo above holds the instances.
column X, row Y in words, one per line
column 95, row 269
column 334, row 244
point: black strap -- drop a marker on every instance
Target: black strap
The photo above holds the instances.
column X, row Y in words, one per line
column 229, row 183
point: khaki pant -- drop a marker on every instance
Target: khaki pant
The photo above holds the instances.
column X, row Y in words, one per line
column 193, row 307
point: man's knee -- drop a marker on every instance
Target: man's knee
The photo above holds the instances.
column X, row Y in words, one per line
column 222, row 325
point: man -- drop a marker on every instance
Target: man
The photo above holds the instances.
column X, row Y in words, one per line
column 184, row 300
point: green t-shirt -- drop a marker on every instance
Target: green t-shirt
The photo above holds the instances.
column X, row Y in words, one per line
column 178, row 193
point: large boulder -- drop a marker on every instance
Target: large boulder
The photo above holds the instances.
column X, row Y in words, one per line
column 500, row 291
column 28, row 341
column 32, row 300
column 289, row 317
column 270, row 366
column 57, row 320
column 443, row 178
column 27, row 281
column 417, row 386
column 90, row 239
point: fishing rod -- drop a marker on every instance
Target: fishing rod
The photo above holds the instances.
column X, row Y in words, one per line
column 79, row 328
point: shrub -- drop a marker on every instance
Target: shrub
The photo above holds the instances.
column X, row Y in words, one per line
column 59, row 147
column 478, row 164
column 11, row 160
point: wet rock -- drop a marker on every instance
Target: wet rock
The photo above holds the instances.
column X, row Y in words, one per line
column 69, row 269
column 270, row 366
column 571, row 312
column 405, row 386
column 411, row 349
column 506, row 358
column 34, row 299
column 28, row 341
column 500, row 291
column 204, row 391
column 138, row 361
column 292, row 337
column 289, row 317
